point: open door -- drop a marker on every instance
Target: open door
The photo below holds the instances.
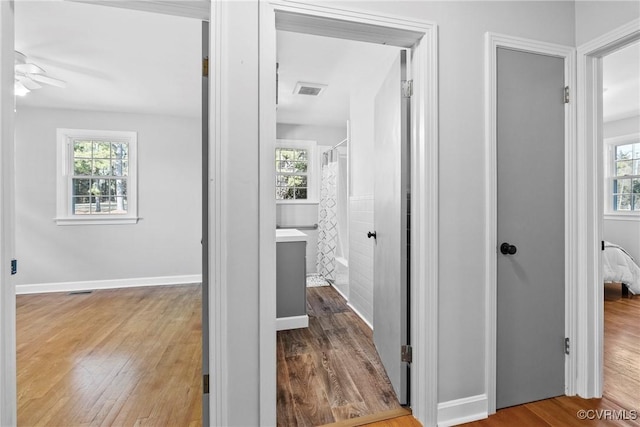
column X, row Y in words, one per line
column 391, row 199
column 205, row 222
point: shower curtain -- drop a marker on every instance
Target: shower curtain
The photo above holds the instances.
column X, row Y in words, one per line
column 328, row 219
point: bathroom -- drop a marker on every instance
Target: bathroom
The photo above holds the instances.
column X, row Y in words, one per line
column 326, row 88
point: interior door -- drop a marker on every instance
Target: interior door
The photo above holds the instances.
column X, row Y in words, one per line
column 530, row 159
column 390, row 220
column 205, row 221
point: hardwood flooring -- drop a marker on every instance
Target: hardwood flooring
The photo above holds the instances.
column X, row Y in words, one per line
column 621, row 376
column 329, row 371
column 118, row 357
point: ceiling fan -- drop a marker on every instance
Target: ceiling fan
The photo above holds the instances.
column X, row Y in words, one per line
column 29, row 76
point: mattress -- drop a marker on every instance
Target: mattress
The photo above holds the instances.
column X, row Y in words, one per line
column 619, row 266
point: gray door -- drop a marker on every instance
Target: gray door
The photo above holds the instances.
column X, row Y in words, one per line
column 390, row 221
column 530, row 153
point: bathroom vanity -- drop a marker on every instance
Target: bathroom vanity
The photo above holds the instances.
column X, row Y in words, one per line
column 291, row 279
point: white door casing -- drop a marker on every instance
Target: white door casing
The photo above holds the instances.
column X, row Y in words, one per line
column 492, row 43
column 421, row 38
column 589, row 314
column 8, row 396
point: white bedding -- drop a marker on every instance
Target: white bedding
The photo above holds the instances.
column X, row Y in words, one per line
column 619, row 266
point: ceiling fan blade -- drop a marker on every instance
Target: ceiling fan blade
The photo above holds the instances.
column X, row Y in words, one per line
column 28, row 83
column 48, row 80
column 29, row 69
column 20, row 89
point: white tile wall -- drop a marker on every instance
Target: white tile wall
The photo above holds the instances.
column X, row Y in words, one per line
column 361, row 255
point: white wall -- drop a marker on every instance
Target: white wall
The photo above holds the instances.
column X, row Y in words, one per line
column 623, row 231
column 595, row 18
column 621, row 127
column 165, row 242
column 462, row 26
column 307, row 214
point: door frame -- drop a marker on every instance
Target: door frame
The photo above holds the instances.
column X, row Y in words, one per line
column 589, row 318
column 422, row 37
column 200, row 9
column 494, row 41
column 8, row 392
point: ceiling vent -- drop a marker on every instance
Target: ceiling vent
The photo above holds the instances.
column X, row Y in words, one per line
column 311, row 89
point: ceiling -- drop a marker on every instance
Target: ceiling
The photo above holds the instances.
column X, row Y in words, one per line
column 339, row 64
column 621, row 83
column 112, row 59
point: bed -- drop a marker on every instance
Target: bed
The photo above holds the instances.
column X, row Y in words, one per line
column 620, row 267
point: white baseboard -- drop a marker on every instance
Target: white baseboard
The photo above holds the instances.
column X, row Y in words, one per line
column 39, row 288
column 355, row 310
column 292, row 322
column 333, row 285
column 464, row 410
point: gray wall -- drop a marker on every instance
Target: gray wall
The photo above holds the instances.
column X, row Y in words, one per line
column 462, row 26
column 595, row 18
column 165, row 242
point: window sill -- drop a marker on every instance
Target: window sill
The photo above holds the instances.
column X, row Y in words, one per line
column 622, row 217
column 297, row 202
column 96, row 221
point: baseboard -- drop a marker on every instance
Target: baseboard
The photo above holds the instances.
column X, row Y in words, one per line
column 355, row 310
column 464, row 410
column 39, row 288
column 333, row 285
column 292, row 322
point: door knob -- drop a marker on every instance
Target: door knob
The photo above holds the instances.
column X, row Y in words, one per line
column 507, row 249
column 372, row 234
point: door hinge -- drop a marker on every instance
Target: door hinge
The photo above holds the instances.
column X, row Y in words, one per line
column 14, row 266
column 205, row 67
column 603, row 245
column 407, row 88
column 567, row 346
column 205, row 384
column 406, row 354
column 566, row 94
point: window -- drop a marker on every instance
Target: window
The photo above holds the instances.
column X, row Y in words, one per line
column 623, row 186
column 295, row 167
column 96, row 177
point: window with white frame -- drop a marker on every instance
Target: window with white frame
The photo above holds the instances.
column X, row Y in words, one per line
column 623, row 175
column 295, row 163
column 97, row 177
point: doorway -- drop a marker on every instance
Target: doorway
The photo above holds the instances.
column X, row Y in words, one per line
column 333, row 149
column 420, row 37
column 157, row 214
column 620, row 159
column 505, row 252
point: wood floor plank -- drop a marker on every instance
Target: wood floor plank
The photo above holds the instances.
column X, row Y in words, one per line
column 332, row 361
column 112, row 357
column 621, row 378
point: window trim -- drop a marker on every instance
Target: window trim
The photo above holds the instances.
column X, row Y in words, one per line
column 64, row 215
column 609, row 166
column 313, row 167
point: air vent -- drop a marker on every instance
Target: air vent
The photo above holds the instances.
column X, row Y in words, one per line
column 310, row 89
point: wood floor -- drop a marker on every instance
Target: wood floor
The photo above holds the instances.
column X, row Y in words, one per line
column 329, row 371
column 120, row 357
column 621, row 376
